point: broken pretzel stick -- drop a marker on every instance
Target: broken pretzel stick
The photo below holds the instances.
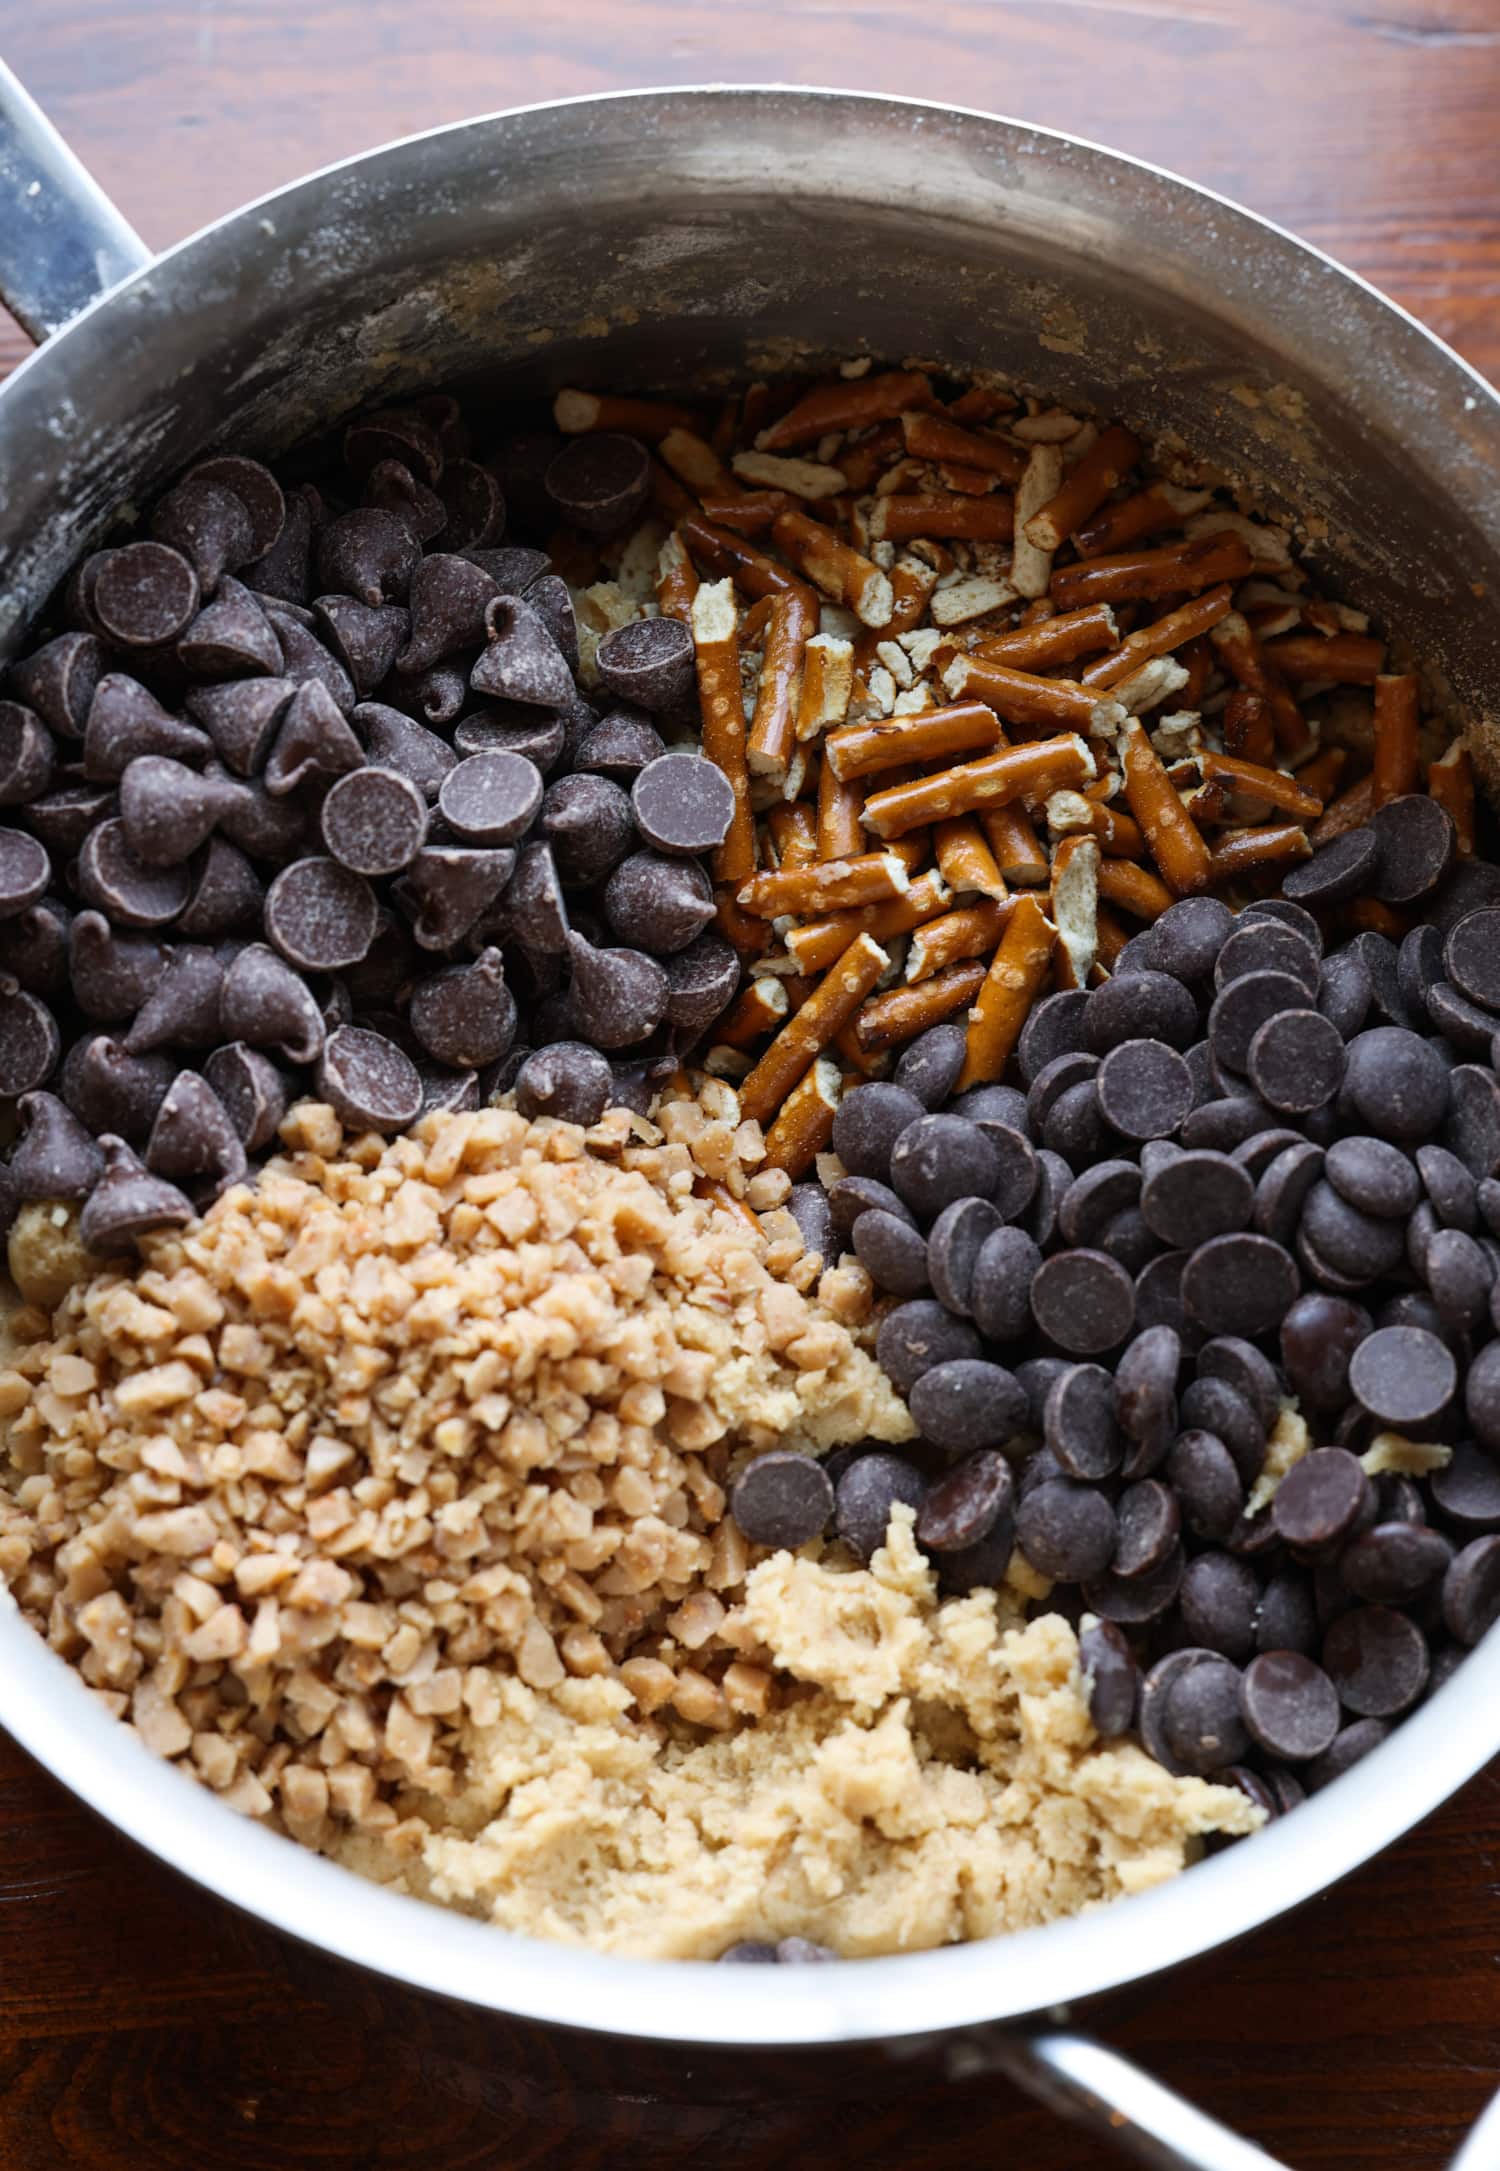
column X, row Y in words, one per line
column 794, row 835
column 810, row 479
column 1158, row 638
column 1176, row 845
column 1016, row 973
column 827, row 683
column 668, row 498
column 1078, row 814
column 750, row 937
column 676, row 580
column 1246, row 726
column 835, row 567
column 1017, row 849
column 840, row 817
column 1450, row 781
column 579, row 413
column 694, row 461
column 1160, row 505
column 817, row 944
column 1351, row 810
column 1032, row 771
column 757, row 1010
column 793, row 620
column 1180, row 568
column 965, row 860
column 755, row 621
column 832, row 885
column 887, row 742
column 1101, row 469
column 805, row 1036
column 887, row 1020
column 1044, row 643
column 934, row 437
column 1369, row 915
column 1024, row 697
column 863, row 460
column 716, row 641
column 1244, row 851
column 1111, row 937
column 1134, row 888
column 950, row 515
column 1238, row 649
column 1393, row 770
column 805, row 1123
column 752, row 570
column 1321, row 775
column 1257, row 781
column 1346, row 659
column 971, row 931
column 1031, row 566
column 1074, row 909
column 850, row 404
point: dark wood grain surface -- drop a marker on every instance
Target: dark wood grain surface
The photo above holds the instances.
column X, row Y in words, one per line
column 145, row 2028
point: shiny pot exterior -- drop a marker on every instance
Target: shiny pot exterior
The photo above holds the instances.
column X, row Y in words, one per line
column 632, row 240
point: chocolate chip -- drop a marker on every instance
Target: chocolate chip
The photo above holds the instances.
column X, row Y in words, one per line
column 1079, row 1424
column 230, row 637
column 1202, row 1473
column 1471, row 957
column 1450, row 1187
column 1374, row 1176
column 892, row 1253
column 867, row 1125
column 1083, row 1301
column 1473, row 1130
column 1219, row 1600
column 1093, row 1199
column 1140, row 1006
column 567, row 1080
column 368, row 1081
column 1201, row 1721
column 369, row 554
column 1215, row 1406
column 58, row 680
column 1145, row 1089
column 320, row 916
column 599, row 482
column 1467, row 1491
column 1111, row 1678
column 1403, row 1376
column 522, row 661
column 589, row 825
column 515, row 567
column 549, row 597
column 619, row 746
column 1133, row 1600
column 366, row 638
column 1337, row 871
column 34, row 948
column 193, row 1138
column 265, row 1004
column 111, row 879
column 257, row 490
column 1145, row 1392
column 1459, row 1275
column 30, row 1042
column 56, row 1158
column 1296, row 1061
column 1075, row 1129
column 1345, row 991
column 1047, row 1088
column 25, row 871
column 782, row 1499
column 1239, row 1284
column 1158, row 1293
column 1067, row 1531
column 1000, row 1287
column 939, row 1158
column 867, row 1491
column 1248, row 1371
column 966, row 1403
column 807, row 1203
column 109, row 1090
column 1242, row 1007
column 1195, row 1196
column 1415, row 841
column 314, row 743
column 1283, row 1189
column 128, row 1202
column 1187, row 938
column 1289, row 1705
column 64, row 818
column 1321, row 1500
column 1357, row 1246
column 661, row 904
column 110, row 974
column 852, row 1196
column 683, row 803
column 251, row 1090
column 448, row 888
column 1268, row 946
column 997, row 1103
column 1220, row 1126
column 374, row 821
column 1471, row 1590
column 167, row 811
column 914, row 1338
column 701, row 981
column 183, row 1009
column 1393, row 1563
column 144, row 594
column 394, row 741
column 27, row 755
column 465, row 1016
column 538, row 735
column 1377, row 1659
column 282, row 570
column 492, row 798
column 225, row 896
column 953, row 1247
column 649, row 662
column 1350, row 1744
column 618, row 996
column 447, row 600
column 965, row 1506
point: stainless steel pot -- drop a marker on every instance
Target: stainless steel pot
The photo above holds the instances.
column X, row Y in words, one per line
column 634, row 239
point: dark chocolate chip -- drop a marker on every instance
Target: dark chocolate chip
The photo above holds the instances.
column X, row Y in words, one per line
column 58, row 679
column 1187, row 938
column 265, row 1004
column 963, row 1508
column 868, row 1123
column 1145, row 1390
column 1000, row 1286
column 368, row 1081
column 281, row 570
column 109, row 1090
column 1145, row 1089
column 314, row 743
column 914, row 1338
column 1296, row 1061
column 465, row 1016
column 1066, row 1530
column 241, row 718
column 251, row 1091
column 369, row 554
column 1083, row 1301
column 168, row 811
column 1247, row 1370
column 1349, row 1745
column 183, row 1008
column 953, row 1247
column 113, row 881
column 892, row 1253
column 320, row 916
column 447, row 600
column 1093, row 1199
column 1374, row 1176
column 1289, row 1705
column 939, row 1158
column 193, row 1139
column 1358, row 1247
column 1471, row 1590
column 111, row 974
column 1158, row 1293
column 1242, row 1007
column 619, row 746
column 1283, row 1189
column 1403, row 1376
column 782, row 1499
column 1415, row 843
column 618, row 996
column 1195, row 1196
column 599, row 482
column 230, row 637
column 491, row 798
column 257, row 490
column 865, row 1494
column 1473, row 1131
column 1268, row 946
column 1214, row 1406
column 538, row 735
column 683, row 803
column 1209, row 1489
column 27, row 755
column 128, row 1202
column 567, row 1080
column 1220, row 1126
column 395, row 741
column 1337, row 871
column 448, row 888
column 648, row 662
column 1393, row 1563
column 1140, row 1006
column 225, row 896
column 701, row 982
column 56, row 1157
column 1321, row 1500
column 522, row 661
column 1377, row 1659
column 1459, row 1276
column 1239, row 1284
column 1111, row 1678
column 1079, row 1424
column 145, row 594
column 374, row 821
column 1345, row 991
column 966, row 1403
column 589, row 825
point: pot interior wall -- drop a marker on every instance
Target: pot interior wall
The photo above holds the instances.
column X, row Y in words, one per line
column 652, row 240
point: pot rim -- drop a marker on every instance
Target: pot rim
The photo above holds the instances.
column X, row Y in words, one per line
column 47, row 1709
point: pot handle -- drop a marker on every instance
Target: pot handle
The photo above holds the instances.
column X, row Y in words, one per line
column 62, row 242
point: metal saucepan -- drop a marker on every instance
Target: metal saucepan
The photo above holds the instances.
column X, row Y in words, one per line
column 645, row 237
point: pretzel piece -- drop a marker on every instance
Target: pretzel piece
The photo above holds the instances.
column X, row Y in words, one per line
column 1363, row 914
column 1016, row 973
column 1134, row 888
column 716, row 641
column 1177, row 569
column 887, row 1020
column 1079, row 814
column 840, row 817
column 950, row 515
column 676, row 580
column 752, row 570
column 832, row 885
column 1111, row 939
column 1393, row 771
column 1321, row 775
column 1088, row 483
column 751, row 513
column 1257, row 781
column 1033, row 771
column 694, row 461
column 965, row 860
column 886, row 743
column 1031, row 566
column 835, row 567
column 934, row 437
column 971, row 931
column 1450, row 781
column 1246, row 726
column 758, row 1009
column 817, row 944
column 813, row 479
column 1244, row 851
column 1351, row 810
column 1176, row 845
column 1348, row 659
column 850, row 404
column 1062, row 638
column 1074, row 909
column 793, row 620
column 793, row 831
column 805, row 1123
column 1159, row 638
column 1239, row 651
column 1025, row 697
column 827, row 683
column 1009, row 833
column 578, row 413
column 1160, row 505
column 806, row 1035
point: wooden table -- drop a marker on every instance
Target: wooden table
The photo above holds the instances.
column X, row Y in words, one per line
column 142, row 2025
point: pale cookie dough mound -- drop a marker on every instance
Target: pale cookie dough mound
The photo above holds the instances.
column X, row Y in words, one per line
column 938, row 1779
column 313, row 1489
